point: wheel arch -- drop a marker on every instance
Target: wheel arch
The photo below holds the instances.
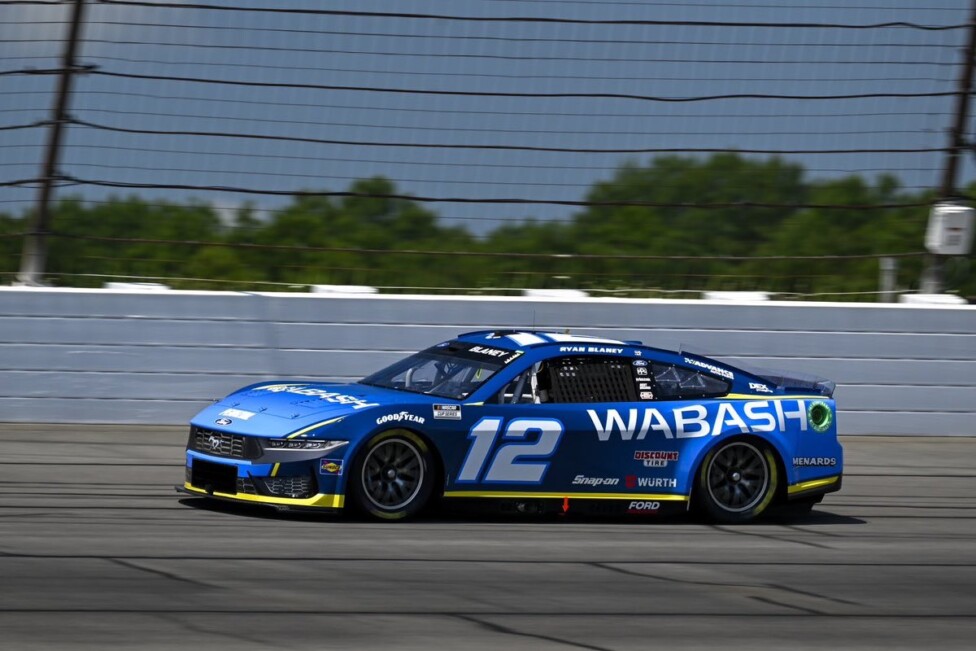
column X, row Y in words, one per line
column 778, row 498
column 437, row 469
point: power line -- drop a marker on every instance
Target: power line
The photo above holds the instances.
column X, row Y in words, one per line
column 574, row 150
column 534, row 95
column 516, row 39
column 737, row 5
column 454, row 165
column 320, row 177
column 474, row 75
column 400, row 54
column 445, row 111
column 535, row 19
column 397, row 127
column 67, row 179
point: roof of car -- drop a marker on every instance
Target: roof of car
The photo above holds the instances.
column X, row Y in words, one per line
column 521, row 339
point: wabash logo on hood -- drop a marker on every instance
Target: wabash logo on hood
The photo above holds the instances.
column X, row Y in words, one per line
column 322, row 394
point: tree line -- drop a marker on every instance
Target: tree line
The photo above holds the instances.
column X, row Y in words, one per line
column 634, row 250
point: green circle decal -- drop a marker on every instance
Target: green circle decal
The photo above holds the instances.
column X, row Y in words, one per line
column 820, row 416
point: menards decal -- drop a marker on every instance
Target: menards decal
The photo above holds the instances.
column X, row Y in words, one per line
column 693, row 421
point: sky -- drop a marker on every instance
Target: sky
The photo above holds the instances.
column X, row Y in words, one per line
column 410, row 131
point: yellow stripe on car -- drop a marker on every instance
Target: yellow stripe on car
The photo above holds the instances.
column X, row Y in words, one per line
column 766, row 396
column 311, row 427
column 660, row 497
column 321, row 500
column 813, row 483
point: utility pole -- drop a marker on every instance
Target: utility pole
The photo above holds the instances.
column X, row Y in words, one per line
column 34, row 256
column 932, row 276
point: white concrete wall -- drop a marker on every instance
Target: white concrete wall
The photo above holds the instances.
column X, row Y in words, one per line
column 111, row 356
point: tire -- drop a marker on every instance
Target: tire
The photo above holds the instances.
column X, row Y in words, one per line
column 392, row 478
column 737, row 481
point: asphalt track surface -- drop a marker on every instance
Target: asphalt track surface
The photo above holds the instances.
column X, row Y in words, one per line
column 98, row 552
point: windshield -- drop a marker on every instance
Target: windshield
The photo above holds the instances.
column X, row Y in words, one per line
column 451, row 371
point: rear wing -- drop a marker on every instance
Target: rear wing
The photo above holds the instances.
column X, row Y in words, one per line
column 799, row 382
column 786, row 380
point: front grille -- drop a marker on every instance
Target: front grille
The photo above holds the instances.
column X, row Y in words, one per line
column 218, row 443
column 246, row 485
column 296, row 487
column 221, row 444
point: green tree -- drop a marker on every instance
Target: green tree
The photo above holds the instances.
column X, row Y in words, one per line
column 707, row 209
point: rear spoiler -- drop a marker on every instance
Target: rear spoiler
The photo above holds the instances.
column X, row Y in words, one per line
column 787, row 380
column 799, row 382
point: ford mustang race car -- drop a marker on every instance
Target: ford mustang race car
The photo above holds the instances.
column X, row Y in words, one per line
column 535, row 422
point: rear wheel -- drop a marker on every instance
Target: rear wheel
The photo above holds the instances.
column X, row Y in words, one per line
column 392, row 478
column 737, row 481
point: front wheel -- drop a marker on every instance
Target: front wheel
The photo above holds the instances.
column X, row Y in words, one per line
column 392, row 478
column 737, row 481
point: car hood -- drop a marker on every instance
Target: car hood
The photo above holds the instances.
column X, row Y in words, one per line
column 278, row 408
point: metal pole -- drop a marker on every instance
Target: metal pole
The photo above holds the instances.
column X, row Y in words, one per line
column 34, row 254
column 888, row 274
column 957, row 137
column 932, row 276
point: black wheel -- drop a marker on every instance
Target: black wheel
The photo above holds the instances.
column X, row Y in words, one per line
column 737, row 481
column 392, row 477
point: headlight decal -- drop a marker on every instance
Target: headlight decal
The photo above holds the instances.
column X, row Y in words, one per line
column 304, row 444
column 301, row 432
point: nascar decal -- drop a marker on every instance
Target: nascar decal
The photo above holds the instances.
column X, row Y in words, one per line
column 328, row 396
column 514, row 460
column 693, row 421
column 447, row 412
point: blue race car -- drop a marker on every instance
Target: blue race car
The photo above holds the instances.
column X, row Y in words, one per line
column 533, row 422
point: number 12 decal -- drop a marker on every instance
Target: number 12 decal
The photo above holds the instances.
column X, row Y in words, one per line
column 505, row 466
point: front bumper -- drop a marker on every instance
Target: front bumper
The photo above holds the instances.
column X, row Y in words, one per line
column 319, row 502
column 304, row 483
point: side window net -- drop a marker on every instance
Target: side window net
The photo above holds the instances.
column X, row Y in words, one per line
column 591, row 379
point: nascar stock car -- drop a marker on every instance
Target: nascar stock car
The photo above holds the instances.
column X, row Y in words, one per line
column 529, row 421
